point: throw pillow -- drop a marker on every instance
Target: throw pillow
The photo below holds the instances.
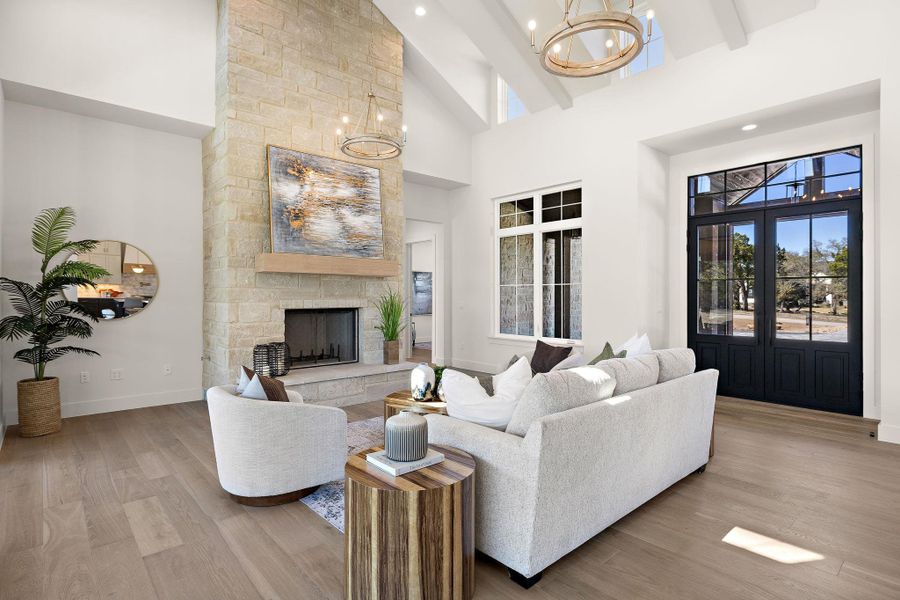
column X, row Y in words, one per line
column 265, row 388
column 636, row 345
column 632, row 373
column 467, row 400
column 558, row 391
column 607, row 354
column 576, row 359
column 546, row 356
column 244, row 380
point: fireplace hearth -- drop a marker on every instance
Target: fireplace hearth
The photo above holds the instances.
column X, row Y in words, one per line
column 322, row 336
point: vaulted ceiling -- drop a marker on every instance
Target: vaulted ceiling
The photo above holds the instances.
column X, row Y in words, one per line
column 457, row 45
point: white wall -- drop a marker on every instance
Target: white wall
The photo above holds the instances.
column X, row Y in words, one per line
column 840, row 133
column 2, row 313
column 600, row 142
column 421, row 258
column 438, row 146
column 135, row 185
column 427, row 212
column 157, row 56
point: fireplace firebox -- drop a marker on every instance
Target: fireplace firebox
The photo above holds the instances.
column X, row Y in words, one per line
column 322, row 336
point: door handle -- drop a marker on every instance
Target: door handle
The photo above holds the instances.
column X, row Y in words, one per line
column 770, row 331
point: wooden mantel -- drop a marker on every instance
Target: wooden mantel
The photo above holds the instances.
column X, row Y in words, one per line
column 326, row 265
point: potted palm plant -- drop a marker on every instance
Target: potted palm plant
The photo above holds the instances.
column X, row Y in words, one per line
column 45, row 318
column 391, row 309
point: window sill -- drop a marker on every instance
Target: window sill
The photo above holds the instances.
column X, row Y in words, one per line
column 523, row 340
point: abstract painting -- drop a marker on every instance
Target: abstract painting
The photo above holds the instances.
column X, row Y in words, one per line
column 421, row 293
column 324, row 206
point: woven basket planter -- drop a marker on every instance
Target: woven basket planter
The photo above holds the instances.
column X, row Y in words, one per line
column 39, row 407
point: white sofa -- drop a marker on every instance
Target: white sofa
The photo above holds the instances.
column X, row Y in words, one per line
column 275, row 452
column 576, row 472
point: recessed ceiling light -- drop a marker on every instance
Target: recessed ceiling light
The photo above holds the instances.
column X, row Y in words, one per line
column 749, row 127
column 420, row 11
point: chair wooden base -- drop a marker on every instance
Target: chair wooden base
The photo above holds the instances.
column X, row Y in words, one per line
column 285, row 498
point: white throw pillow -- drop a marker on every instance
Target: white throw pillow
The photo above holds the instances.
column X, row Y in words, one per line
column 254, row 389
column 574, row 360
column 636, row 345
column 468, row 401
column 243, row 382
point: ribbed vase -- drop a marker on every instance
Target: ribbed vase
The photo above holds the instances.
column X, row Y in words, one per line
column 406, row 436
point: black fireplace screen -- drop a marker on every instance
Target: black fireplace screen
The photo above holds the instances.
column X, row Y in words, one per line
column 321, row 336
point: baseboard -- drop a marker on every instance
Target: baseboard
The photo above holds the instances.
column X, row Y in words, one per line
column 888, row 433
column 2, row 433
column 104, row 405
column 474, row 365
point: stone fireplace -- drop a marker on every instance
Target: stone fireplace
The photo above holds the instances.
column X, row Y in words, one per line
column 322, row 336
column 286, row 73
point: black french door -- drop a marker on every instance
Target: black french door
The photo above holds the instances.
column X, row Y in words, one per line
column 775, row 297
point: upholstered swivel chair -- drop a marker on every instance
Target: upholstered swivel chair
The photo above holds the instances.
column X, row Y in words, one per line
column 270, row 453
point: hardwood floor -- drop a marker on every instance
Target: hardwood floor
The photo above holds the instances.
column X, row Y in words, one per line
column 127, row 505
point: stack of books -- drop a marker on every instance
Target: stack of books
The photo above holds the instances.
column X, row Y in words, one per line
column 395, row 467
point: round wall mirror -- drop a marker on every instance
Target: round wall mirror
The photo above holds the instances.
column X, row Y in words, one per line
column 128, row 290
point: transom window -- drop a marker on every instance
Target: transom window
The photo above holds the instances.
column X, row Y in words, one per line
column 539, row 264
column 509, row 105
column 814, row 178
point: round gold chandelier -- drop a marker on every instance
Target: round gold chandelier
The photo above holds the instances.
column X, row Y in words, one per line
column 625, row 40
column 369, row 140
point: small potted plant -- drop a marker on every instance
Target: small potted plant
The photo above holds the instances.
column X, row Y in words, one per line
column 391, row 309
column 45, row 318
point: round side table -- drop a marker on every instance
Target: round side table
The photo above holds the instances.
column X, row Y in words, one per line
column 411, row 536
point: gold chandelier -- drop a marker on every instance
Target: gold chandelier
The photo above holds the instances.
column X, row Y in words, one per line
column 369, row 141
column 625, row 41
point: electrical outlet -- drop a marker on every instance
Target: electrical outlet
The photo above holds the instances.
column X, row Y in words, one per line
column 85, row 377
column 167, row 369
column 116, row 374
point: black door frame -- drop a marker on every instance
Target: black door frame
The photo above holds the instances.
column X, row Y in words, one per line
column 746, row 363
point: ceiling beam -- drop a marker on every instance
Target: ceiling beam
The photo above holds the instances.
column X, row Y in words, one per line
column 729, row 21
column 504, row 44
column 438, row 85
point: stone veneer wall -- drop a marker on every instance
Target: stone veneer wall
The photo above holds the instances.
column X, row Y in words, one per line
column 286, row 72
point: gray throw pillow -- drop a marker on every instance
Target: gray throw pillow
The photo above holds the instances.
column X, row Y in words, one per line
column 557, row 391
column 632, row 373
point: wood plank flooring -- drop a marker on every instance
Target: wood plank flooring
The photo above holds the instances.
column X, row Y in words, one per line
column 127, row 505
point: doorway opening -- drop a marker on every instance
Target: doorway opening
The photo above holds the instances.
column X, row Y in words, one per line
column 420, row 294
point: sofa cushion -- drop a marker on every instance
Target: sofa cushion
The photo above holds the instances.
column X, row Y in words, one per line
column 557, row 391
column 467, row 400
column 546, row 356
column 632, row 373
column 675, row 363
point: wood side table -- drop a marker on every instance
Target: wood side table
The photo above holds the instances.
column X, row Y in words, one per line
column 411, row 536
column 394, row 403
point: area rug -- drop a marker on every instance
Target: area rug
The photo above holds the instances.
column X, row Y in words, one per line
column 328, row 500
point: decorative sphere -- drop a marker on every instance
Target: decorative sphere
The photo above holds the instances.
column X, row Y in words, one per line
column 421, row 382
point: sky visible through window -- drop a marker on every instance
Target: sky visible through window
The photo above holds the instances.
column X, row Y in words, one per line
column 514, row 106
column 652, row 53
